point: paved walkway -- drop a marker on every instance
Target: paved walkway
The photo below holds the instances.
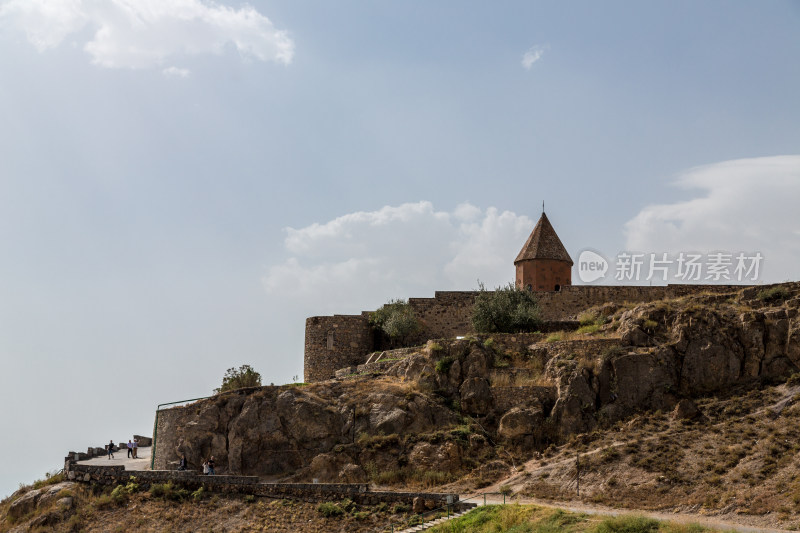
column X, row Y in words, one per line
column 121, row 458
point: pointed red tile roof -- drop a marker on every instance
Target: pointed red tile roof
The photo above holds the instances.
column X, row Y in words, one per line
column 543, row 243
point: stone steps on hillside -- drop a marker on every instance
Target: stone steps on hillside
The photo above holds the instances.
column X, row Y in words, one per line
column 428, row 525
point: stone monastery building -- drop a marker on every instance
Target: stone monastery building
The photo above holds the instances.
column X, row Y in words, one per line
column 543, row 265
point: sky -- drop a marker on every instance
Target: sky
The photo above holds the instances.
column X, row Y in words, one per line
column 182, row 182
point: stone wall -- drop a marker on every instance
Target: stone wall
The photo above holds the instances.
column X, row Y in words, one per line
column 314, row 492
column 334, row 342
column 166, row 424
column 340, row 341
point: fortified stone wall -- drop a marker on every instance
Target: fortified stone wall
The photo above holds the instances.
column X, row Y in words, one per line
column 334, row 342
column 339, row 341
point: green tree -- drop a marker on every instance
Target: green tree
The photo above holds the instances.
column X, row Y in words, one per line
column 396, row 319
column 238, row 378
column 505, row 310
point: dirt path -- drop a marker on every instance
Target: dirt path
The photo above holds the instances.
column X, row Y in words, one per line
column 579, row 507
column 532, row 468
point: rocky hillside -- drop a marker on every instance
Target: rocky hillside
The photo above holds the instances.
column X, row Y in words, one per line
column 681, row 404
column 465, row 407
column 72, row 507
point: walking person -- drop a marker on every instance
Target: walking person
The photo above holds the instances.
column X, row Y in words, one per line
column 205, row 468
column 211, row 466
column 130, row 448
column 111, row 449
column 182, row 464
column 135, row 448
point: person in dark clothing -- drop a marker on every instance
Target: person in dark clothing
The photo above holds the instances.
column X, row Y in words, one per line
column 211, row 466
column 182, row 464
column 111, row 449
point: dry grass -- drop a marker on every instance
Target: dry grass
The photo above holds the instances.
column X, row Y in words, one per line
column 742, row 458
column 95, row 513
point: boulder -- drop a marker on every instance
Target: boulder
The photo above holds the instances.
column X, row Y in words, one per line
column 427, row 456
column 25, row 503
column 53, row 491
column 685, row 410
column 476, row 396
column 519, row 422
column 326, row 467
column 418, row 505
column 352, row 473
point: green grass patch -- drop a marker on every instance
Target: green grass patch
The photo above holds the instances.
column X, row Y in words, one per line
column 443, row 365
column 589, row 328
column 516, row 518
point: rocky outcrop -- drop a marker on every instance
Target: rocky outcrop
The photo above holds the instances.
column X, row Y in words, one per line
column 674, row 350
column 277, row 430
column 655, row 356
column 39, row 498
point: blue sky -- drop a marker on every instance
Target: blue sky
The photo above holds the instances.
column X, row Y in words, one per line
column 182, row 183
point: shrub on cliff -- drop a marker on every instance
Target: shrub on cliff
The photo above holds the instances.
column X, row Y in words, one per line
column 239, row 378
column 396, row 319
column 505, row 310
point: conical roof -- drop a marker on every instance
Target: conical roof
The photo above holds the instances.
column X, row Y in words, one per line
column 543, row 243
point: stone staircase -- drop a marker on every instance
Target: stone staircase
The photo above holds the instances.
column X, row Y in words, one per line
column 427, row 525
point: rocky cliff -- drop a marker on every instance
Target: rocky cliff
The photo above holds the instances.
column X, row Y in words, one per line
column 455, row 406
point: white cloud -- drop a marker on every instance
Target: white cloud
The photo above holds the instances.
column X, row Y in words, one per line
column 146, row 33
column 360, row 260
column 747, row 205
column 533, row 55
column 175, row 72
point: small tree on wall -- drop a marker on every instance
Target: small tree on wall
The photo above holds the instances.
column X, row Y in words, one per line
column 505, row 310
column 239, row 378
column 397, row 320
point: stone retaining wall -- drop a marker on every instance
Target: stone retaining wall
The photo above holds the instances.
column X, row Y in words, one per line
column 314, row 492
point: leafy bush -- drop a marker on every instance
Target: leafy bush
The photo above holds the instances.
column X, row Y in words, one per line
column 330, row 509
column 443, row 365
column 199, row 494
column 650, row 325
column 505, row 310
column 119, row 495
column 773, row 294
column 239, row 378
column 401, row 508
column 168, row 491
column 396, row 319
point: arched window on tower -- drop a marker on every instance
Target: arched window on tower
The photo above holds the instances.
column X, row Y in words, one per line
column 558, row 287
